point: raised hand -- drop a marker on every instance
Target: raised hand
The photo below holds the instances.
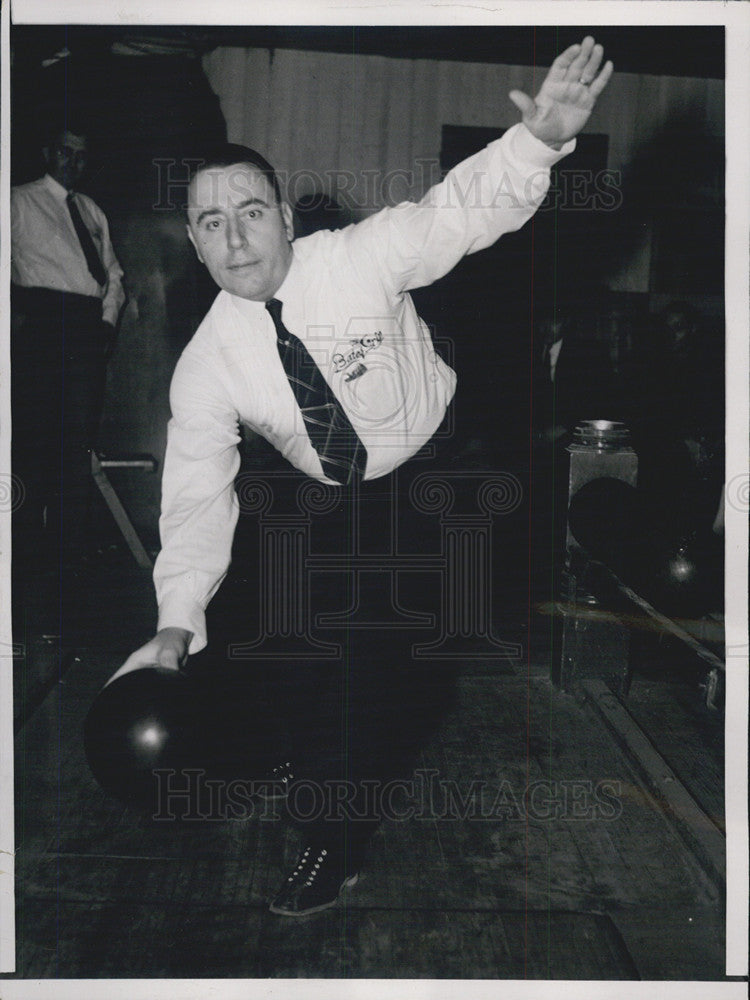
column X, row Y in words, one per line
column 567, row 96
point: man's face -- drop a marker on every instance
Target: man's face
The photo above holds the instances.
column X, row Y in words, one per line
column 239, row 230
column 67, row 159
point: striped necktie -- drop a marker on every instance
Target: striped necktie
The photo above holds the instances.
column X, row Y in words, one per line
column 342, row 454
column 93, row 259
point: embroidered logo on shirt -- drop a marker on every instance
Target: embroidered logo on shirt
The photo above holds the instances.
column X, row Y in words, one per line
column 357, row 370
column 359, row 348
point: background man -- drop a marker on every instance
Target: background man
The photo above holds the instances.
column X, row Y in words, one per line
column 317, row 346
column 67, row 294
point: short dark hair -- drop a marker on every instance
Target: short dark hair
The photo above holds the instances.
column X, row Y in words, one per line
column 230, row 154
column 54, row 131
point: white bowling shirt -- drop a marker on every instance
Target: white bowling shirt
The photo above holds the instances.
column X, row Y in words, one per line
column 345, row 295
column 45, row 249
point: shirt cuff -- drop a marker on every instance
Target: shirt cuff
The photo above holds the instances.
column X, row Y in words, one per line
column 529, row 148
column 177, row 613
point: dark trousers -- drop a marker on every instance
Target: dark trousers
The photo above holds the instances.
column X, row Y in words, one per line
column 57, row 393
column 351, row 726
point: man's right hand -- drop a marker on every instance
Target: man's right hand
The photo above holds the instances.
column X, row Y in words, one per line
column 168, row 648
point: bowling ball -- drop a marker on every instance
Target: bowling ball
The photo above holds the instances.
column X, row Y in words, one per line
column 686, row 579
column 608, row 520
column 144, row 721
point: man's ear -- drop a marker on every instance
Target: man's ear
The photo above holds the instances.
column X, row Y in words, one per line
column 288, row 216
column 195, row 245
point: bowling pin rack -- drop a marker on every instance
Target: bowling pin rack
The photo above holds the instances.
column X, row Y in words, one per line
column 593, row 622
column 600, row 611
column 597, row 611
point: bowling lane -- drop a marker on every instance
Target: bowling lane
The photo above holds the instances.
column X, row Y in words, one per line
column 102, row 891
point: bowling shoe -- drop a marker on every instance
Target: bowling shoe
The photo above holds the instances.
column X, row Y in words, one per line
column 275, row 785
column 315, row 883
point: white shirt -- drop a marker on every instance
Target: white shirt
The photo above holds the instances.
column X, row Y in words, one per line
column 554, row 354
column 345, row 295
column 45, row 249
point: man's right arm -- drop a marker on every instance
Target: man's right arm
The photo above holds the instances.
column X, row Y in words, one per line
column 199, row 512
column 168, row 648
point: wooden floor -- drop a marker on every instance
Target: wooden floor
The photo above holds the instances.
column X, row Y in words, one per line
column 551, row 860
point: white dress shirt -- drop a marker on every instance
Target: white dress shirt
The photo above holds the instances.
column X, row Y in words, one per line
column 345, row 295
column 554, row 354
column 46, row 251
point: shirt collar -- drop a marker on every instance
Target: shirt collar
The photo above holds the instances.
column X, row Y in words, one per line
column 288, row 289
column 287, row 293
column 56, row 187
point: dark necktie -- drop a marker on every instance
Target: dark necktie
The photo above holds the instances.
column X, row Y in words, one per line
column 87, row 243
column 342, row 454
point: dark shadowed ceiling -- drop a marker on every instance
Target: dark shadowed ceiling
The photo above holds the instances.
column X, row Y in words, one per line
column 672, row 51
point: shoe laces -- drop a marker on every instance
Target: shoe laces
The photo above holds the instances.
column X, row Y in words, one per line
column 304, row 861
column 287, row 777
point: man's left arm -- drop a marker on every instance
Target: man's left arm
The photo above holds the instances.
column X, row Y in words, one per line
column 497, row 190
column 568, row 95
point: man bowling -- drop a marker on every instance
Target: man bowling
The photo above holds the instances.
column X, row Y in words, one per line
column 273, row 353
